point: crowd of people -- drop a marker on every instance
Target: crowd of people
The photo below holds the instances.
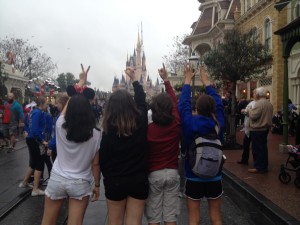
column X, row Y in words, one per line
column 135, row 147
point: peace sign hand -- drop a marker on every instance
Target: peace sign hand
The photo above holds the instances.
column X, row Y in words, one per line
column 163, row 73
column 131, row 73
column 83, row 76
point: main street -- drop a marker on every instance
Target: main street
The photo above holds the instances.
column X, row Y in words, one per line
column 17, row 207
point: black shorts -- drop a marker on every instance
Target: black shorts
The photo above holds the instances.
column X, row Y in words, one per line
column 119, row 188
column 196, row 190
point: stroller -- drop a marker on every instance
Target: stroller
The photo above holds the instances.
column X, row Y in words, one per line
column 292, row 164
column 277, row 120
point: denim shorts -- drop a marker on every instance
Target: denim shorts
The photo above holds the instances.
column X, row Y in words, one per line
column 60, row 187
column 163, row 201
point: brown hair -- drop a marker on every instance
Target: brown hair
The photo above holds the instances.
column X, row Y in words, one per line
column 121, row 114
column 206, row 106
column 62, row 99
column 161, row 107
column 40, row 100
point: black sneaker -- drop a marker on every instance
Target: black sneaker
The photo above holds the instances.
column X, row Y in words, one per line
column 242, row 162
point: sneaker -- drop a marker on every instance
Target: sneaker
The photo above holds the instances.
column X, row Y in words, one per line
column 37, row 193
column 10, row 149
column 25, row 185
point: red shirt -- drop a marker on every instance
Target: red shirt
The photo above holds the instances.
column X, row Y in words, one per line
column 163, row 141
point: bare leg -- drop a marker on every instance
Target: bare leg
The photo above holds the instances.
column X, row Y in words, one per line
column 116, row 212
column 13, row 141
column 37, row 175
column 28, row 175
column 77, row 210
column 134, row 211
column 193, row 211
column 51, row 211
column 215, row 211
column 170, row 223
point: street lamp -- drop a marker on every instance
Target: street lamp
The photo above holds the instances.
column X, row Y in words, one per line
column 194, row 61
column 29, row 64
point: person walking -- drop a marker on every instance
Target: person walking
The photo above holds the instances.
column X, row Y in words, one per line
column 12, row 119
column 260, row 122
column 247, row 137
column 210, row 113
column 124, row 154
column 35, row 141
column 163, row 139
column 76, row 172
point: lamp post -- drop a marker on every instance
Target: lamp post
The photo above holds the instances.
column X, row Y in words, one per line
column 29, row 64
column 194, row 60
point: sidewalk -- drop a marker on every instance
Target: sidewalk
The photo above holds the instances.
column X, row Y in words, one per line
column 285, row 196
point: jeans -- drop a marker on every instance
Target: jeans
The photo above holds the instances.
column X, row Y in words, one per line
column 260, row 149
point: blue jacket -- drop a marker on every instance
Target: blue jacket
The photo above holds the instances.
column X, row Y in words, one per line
column 48, row 125
column 37, row 125
column 198, row 124
column 52, row 142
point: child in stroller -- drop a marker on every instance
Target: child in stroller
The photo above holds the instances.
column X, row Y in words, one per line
column 292, row 164
column 277, row 120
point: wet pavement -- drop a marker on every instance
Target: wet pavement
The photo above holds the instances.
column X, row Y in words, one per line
column 284, row 199
column 248, row 198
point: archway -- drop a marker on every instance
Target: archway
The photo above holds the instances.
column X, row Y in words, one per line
column 290, row 35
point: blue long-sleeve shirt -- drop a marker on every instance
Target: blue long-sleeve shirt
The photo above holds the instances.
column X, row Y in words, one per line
column 52, row 142
column 37, row 125
column 48, row 126
column 193, row 125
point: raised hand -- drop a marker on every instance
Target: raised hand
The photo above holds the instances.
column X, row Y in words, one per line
column 204, row 76
column 188, row 73
column 131, row 73
column 83, row 74
column 163, row 73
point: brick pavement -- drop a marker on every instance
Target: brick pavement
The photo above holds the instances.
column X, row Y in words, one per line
column 285, row 196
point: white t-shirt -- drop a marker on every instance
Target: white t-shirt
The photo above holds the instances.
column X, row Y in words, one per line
column 74, row 160
column 247, row 119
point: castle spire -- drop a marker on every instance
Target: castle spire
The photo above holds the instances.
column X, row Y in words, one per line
column 142, row 33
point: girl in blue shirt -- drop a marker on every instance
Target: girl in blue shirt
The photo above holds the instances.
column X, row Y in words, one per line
column 210, row 112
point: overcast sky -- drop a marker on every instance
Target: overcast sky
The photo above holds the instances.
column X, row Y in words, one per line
column 98, row 33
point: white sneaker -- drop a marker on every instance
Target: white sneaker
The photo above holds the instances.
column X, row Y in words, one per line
column 25, row 185
column 37, row 193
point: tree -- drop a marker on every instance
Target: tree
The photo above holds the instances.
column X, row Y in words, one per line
column 179, row 55
column 240, row 57
column 3, row 78
column 64, row 80
column 27, row 58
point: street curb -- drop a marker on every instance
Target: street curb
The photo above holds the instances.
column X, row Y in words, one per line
column 272, row 211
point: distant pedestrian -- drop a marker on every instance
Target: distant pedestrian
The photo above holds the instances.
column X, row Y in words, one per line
column 35, row 141
column 76, row 173
column 247, row 137
column 123, row 154
column 12, row 119
column 163, row 139
column 260, row 122
column 61, row 101
column 210, row 113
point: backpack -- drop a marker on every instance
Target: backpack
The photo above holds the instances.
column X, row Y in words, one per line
column 6, row 114
column 205, row 155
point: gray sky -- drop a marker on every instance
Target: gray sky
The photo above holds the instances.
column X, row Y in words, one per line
column 98, row 33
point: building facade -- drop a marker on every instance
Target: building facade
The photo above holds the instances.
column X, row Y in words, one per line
column 15, row 82
column 218, row 16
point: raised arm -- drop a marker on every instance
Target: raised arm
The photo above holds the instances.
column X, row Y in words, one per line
column 164, row 76
column 139, row 94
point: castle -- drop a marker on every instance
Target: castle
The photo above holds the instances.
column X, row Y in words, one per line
column 137, row 61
